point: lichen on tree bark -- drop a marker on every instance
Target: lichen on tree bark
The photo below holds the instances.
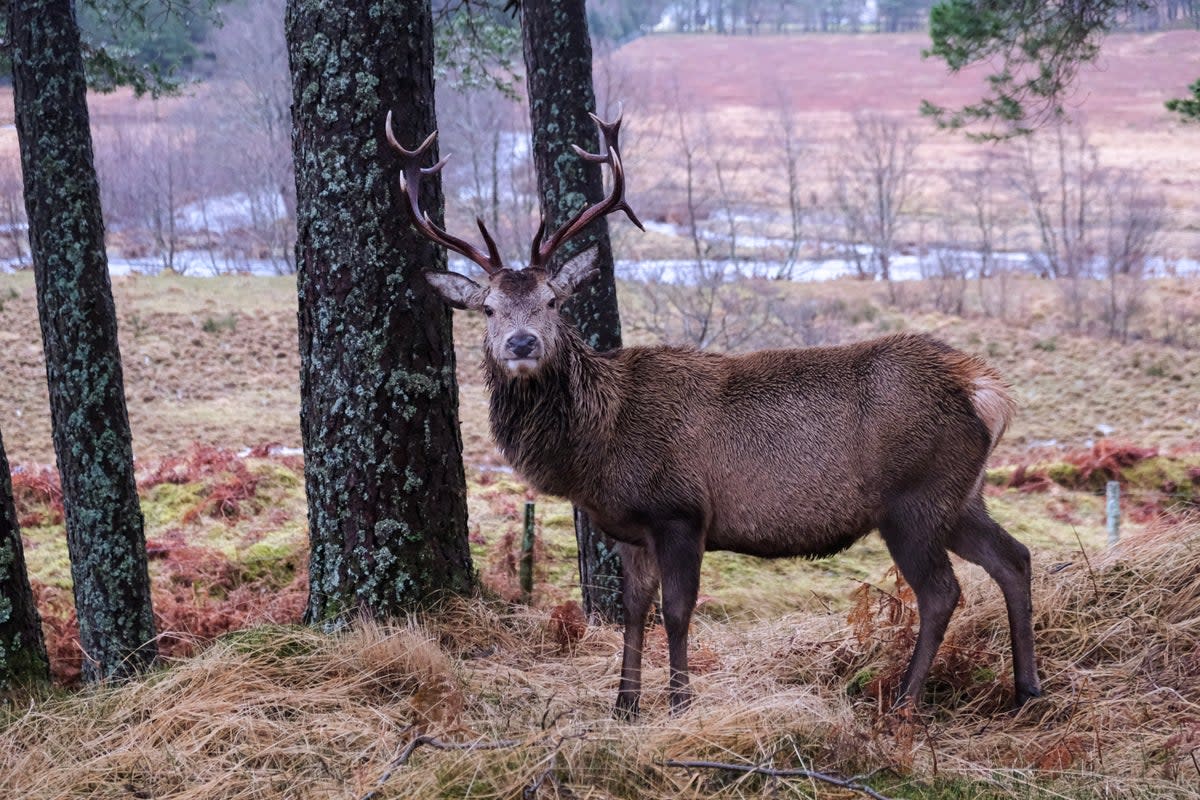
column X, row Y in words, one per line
column 379, row 407
column 105, row 537
column 22, row 650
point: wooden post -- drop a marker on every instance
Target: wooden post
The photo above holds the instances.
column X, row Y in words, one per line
column 527, row 556
column 1112, row 507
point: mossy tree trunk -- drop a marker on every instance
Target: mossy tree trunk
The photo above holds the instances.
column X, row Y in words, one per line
column 558, row 62
column 22, row 651
column 379, row 397
column 105, row 537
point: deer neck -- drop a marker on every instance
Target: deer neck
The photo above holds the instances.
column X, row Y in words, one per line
column 551, row 427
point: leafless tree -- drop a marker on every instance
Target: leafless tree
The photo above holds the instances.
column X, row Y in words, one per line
column 1134, row 219
column 794, row 148
column 494, row 178
column 695, row 301
column 727, row 165
column 147, row 172
column 13, row 225
column 1058, row 175
column 698, row 300
column 250, row 111
column 977, row 192
column 872, row 176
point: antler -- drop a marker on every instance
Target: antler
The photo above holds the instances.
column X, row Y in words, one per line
column 410, row 184
column 611, row 155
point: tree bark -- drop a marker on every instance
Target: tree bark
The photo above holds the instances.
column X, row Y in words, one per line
column 558, row 62
column 22, row 651
column 105, row 537
column 379, row 396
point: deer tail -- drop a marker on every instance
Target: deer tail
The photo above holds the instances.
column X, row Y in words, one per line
column 990, row 394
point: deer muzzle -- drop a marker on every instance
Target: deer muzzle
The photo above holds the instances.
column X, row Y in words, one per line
column 523, row 350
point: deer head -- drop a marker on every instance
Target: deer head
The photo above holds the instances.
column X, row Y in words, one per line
column 521, row 305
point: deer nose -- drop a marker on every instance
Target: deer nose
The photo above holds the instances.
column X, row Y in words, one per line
column 522, row 344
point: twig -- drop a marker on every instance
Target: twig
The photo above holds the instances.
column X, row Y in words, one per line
column 932, row 749
column 531, row 791
column 1088, row 562
column 430, row 741
column 821, row 600
column 845, row 783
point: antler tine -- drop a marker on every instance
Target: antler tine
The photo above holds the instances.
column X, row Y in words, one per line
column 410, row 183
column 611, row 155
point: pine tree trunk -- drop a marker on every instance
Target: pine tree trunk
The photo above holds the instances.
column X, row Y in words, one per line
column 558, row 62
column 105, row 538
column 22, row 651
column 379, row 397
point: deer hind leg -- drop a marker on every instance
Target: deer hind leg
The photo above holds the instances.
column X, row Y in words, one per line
column 679, row 549
column 981, row 540
column 920, row 556
column 639, row 586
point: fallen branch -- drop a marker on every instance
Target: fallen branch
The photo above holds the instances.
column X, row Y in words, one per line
column 437, row 744
column 845, row 783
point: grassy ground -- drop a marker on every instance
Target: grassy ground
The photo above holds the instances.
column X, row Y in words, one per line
column 213, row 360
column 793, row 657
column 494, row 701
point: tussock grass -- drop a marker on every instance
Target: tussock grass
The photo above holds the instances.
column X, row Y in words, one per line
column 295, row 712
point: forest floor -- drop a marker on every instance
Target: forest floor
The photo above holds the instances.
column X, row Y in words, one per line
column 794, row 659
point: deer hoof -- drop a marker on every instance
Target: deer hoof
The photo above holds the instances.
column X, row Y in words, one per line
column 680, row 701
column 1023, row 696
column 626, row 710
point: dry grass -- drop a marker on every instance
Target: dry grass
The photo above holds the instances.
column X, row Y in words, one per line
column 294, row 712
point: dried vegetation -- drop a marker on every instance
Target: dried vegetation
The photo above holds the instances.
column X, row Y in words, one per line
column 786, row 676
column 514, row 703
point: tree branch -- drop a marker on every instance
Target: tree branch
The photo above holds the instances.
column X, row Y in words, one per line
column 431, row 741
column 852, row 784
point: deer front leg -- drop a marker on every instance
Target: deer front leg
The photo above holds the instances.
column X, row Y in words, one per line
column 640, row 584
column 679, row 551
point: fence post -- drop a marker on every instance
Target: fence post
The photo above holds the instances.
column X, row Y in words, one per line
column 527, row 555
column 1112, row 508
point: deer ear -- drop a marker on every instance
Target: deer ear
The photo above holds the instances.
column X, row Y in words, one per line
column 575, row 273
column 457, row 290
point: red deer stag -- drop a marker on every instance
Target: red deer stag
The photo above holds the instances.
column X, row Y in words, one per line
column 778, row 453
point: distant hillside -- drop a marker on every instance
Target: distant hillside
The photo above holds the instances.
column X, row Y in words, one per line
column 732, row 91
column 820, row 74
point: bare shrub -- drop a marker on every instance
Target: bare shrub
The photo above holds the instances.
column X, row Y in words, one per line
column 945, row 275
column 1001, row 294
column 701, row 301
column 1174, row 311
column 739, row 314
column 1096, row 226
column 978, row 191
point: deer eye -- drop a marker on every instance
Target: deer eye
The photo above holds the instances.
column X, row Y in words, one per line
column 488, row 311
column 552, row 303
